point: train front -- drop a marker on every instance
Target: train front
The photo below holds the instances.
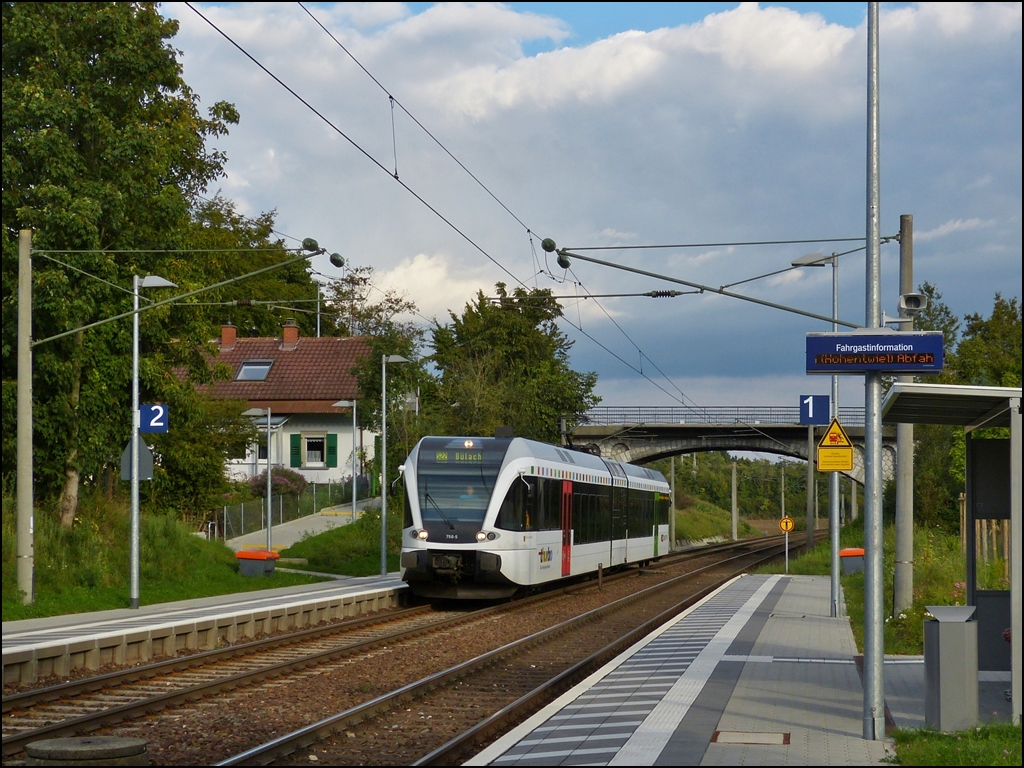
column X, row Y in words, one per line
column 446, row 551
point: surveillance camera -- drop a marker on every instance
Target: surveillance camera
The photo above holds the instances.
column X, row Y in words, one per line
column 912, row 304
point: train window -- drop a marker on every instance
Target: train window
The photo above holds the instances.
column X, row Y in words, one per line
column 549, row 517
column 456, row 480
column 517, row 508
column 407, row 516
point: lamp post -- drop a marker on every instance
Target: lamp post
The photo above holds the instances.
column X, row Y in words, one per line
column 150, row 281
column 270, row 515
column 384, row 360
column 352, row 404
column 818, row 260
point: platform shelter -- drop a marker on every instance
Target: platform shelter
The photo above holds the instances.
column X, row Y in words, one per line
column 993, row 473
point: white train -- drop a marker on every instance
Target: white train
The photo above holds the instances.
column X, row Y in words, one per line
column 486, row 516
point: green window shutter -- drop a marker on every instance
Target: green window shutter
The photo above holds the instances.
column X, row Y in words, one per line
column 296, row 450
column 332, row 450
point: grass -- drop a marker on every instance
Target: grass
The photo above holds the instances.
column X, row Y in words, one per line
column 703, row 521
column 992, row 744
column 86, row 568
column 939, row 574
column 350, row 550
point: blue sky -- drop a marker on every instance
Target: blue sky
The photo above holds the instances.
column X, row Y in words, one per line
column 712, row 122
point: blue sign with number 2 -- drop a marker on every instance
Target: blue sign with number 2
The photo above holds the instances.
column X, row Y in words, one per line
column 153, row 418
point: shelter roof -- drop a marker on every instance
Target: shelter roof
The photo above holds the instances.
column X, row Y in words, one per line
column 963, row 405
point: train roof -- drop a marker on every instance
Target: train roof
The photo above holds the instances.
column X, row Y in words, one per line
column 523, row 448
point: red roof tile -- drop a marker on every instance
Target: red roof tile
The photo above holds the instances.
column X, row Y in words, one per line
column 311, row 375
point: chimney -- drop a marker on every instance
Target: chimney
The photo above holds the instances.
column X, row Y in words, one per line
column 228, row 335
column 290, row 334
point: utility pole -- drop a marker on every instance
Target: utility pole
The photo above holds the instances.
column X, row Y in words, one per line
column 25, row 537
column 811, row 517
column 903, row 578
column 873, row 712
column 735, row 510
column 782, row 491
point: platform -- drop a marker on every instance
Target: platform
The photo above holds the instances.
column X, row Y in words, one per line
column 755, row 674
column 57, row 645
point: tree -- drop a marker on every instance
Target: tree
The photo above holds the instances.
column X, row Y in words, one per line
column 988, row 352
column 506, row 363
column 104, row 150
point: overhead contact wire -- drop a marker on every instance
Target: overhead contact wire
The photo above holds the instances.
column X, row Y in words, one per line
column 351, row 141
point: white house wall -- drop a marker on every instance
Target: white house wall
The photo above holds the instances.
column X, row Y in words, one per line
column 307, row 424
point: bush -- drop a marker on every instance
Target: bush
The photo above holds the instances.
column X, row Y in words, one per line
column 282, row 480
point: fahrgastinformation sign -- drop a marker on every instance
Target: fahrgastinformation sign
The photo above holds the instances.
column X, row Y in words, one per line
column 918, row 352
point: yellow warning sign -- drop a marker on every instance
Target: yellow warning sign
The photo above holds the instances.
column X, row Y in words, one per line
column 835, row 449
column 786, row 524
column 835, row 437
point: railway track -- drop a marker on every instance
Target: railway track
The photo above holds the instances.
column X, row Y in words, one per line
column 100, row 701
column 439, row 719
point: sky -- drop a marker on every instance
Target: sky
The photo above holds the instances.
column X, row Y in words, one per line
column 627, row 124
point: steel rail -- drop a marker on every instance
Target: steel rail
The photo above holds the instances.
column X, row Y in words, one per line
column 303, row 737
column 513, row 713
column 14, row 743
column 177, row 664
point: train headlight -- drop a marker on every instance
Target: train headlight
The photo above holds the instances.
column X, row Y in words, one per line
column 421, row 534
column 481, row 535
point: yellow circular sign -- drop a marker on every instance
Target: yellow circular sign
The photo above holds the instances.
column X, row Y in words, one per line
column 786, row 524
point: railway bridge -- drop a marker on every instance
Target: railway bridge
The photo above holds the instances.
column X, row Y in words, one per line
column 640, row 434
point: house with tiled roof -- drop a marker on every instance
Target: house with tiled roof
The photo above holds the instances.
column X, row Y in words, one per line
column 299, row 380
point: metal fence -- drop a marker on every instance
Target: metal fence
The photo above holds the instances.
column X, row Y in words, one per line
column 239, row 519
column 611, row 415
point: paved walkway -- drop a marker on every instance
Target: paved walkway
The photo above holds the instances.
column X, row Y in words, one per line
column 286, row 534
column 755, row 674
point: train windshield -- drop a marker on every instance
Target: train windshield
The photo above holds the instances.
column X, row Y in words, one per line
column 456, row 477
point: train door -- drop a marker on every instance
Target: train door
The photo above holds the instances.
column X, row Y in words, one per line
column 619, row 529
column 654, row 519
column 566, row 527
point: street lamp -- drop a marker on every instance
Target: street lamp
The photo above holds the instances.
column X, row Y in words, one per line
column 819, row 260
column 270, row 515
column 384, row 360
column 352, row 404
column 150, row 281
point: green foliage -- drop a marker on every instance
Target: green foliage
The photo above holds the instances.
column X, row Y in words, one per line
column 707, row 476
column 85, row 568
column 353, row 549
column 104, row 148
column 505, row 363
column 939, row 569
column 990, row 351
column 990, row 744
column 702, row 521
column 987, row 353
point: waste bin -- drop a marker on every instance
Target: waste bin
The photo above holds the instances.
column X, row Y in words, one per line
column 256, row 562
column 852, row 559
column 950, row 668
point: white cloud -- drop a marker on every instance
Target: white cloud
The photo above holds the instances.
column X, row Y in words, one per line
column 953, row 225
column 748, row 125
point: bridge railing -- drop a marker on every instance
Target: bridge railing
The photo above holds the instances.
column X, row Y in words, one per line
column 722, row 414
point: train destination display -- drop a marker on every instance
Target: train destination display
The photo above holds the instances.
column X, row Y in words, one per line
column 917, row 352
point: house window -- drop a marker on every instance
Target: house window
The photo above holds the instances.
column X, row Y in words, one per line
column 261, row 451
column 316, row 450
column 253, row 370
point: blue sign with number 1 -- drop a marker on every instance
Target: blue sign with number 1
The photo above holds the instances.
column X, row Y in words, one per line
column 814, row 409
column 153, row 418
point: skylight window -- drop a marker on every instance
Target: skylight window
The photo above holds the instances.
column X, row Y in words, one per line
column 253, row 370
